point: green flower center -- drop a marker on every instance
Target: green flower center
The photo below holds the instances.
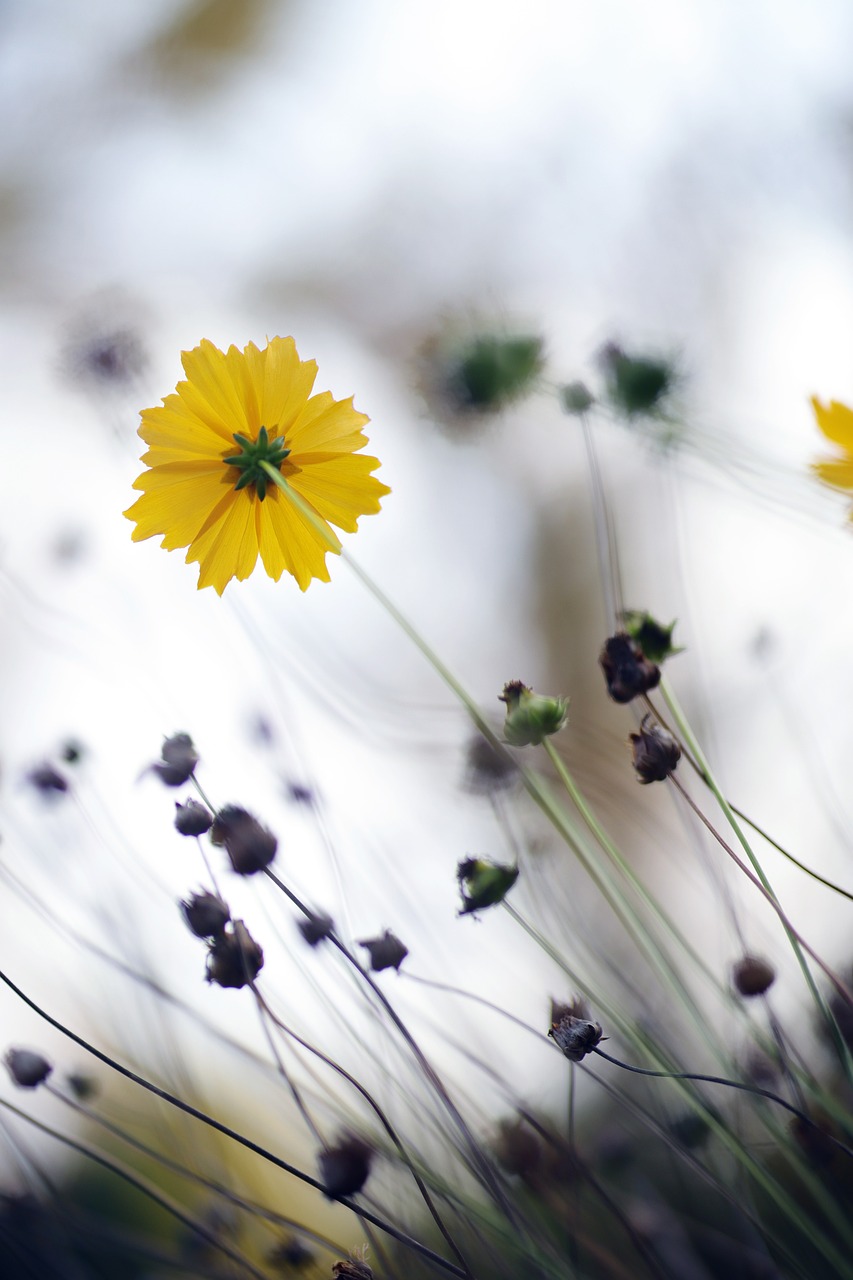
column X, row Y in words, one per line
column 252, row 454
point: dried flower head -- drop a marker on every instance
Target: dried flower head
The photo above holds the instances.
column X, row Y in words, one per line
column 655, row 752
column 752, row 976
column 488, row 768
column 27, row 1068
column 48, row 781
column 205, row 913
column 483, row 883
column 239, row 416
column 345, row 1167
column 316, row 928
column 576, row 1037
column 652, row 636
column 250, row 846
column 290, row 1255
column 354, row 1268
column 626, row 668
column 531, row 717
column 192, row 818
column 386, row 951
column 234, row 959
column 178, row 760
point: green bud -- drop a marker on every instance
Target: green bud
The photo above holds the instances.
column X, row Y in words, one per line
column 576, row 398
column 636, row 385
column 493, row 371
column 531, row 717
column 483, row 883
column 653, row 637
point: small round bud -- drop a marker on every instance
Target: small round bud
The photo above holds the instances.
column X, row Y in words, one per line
column 206, row 914
column 483, row 883
column 752, row 976
column 72, row 751
column 250, row 846
column 576, row 1037
column 627, row 670
column 345, row 1167
column 386, row 951
column 234, row 958
column 27, row 1068
column 493, row 371
column 576, row 398
column 192, row 818
column 178, row 760
column 316, row 928
column 82, row 1086
column 531, row 717
column 656, row 753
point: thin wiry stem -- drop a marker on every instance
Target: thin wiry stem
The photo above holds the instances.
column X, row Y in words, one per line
column 729, row 1084
column 254, row 1147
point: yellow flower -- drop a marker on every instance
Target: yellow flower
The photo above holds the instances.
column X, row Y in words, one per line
column 836, row 423
column 207, row 487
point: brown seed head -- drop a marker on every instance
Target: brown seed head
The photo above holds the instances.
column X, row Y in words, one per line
column 575, row 1036
column 627, row 670
column 206, row 913
column 345, row 1167
column 386, row 951
column 316, row 927
column 178, row 760
column 655, row 752
column 192, row 818
column 234, row 958
column 250, row 846
column 752, row 976
column 27, row 1068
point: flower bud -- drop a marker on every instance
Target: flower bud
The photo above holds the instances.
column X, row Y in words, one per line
column 627, row 670
column 234, row 958
column 531, row 717
column 752, row 976
column 178, row 760
column 316, row 928
column 491, row 371
column 82, row 1086
column 636, row 385
column 386, row 952
column 483, row 883
column 345, row 1168
column 27, row 1068
column 192, row 818
column 352, row 1269
column 250, row 846
column 576, row 1037
column 656, row 753
column 576, row 398
column 206, row 914
column 653, row 637
column 49, row 782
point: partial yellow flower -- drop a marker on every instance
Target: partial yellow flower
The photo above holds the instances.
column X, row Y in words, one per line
column 836, row 422
column 206, row 488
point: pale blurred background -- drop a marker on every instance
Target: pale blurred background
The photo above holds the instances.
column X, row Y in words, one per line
column 366, row 176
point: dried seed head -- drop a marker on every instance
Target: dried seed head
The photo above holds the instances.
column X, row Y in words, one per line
column 205, row 913
column 483, row 883
column 386, row 951
column 517, row 1149
column 192, row 818
column 316, row 928
column 47, row 780
column 234, row 958
column 656, row 753
column 290, row 1255
column 178, row 760
column 345, row 1167
column 752, row 976
column 352, row 1269
column 27, row 1068
column 576, row 1037
column 489, row 768
column 653, row 637
column 531, row 717
column 250, row 846
column 627, row 670
column 576, row 1008
column 82, row 1086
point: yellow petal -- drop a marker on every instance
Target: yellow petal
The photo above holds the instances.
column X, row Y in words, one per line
column 285, row 382
column 328, row 425
column 836, row 422
column 228, row 545
column 177, row 500
column 341, row 489
column 838, row 474
column 288, row 542
column 209, row 391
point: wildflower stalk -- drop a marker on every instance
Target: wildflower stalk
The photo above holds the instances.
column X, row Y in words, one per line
column 796, row 943
column 408, row 1241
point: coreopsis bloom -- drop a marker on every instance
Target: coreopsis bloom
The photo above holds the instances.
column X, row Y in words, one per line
column 836, row 422
column 207, row 487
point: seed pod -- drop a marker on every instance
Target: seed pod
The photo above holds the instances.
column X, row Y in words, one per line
column 627, row 670
column 206, row 914
column 234, row 958
column 316, row 928
column 656, row 753
column 575, row 1036
column 386, row 951
column 27, row 1068
column 345, row 1167
column 531, row 717
column 752, row 976
column 483, row 883
column 250, row 846
column 192, row 818
column 178, row 760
